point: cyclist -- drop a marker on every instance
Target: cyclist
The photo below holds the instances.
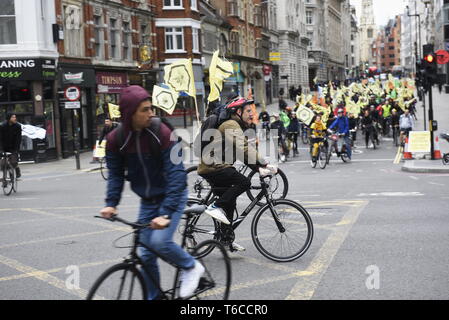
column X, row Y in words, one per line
column 376, row 122
column 406, row 125
column 10, row 139
column 386, row 113
column 221, row 173
column 395, row 122
column 367, row 126
column 282, row 133
column 264, row 117
column 342, row 125
column 318, row 133
column 353, row 123
column 293, row 132
column 157, row 180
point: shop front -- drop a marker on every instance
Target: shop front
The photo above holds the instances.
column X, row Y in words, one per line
column 27, row 89
column 77, row 117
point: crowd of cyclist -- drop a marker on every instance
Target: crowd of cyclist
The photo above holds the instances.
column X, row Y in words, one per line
column 384, row 113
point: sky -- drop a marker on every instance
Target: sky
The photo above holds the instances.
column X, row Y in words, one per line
column 384, row 10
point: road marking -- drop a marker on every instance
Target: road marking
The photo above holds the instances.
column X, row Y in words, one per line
column 392, row 194
column 42, row 275
column 437, row 184
column 414, row 178
column 305, row 288
column 56, row 270
column 82, row 235
column 398, row 157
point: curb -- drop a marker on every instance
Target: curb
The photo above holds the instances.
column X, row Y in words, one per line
column 425, row 170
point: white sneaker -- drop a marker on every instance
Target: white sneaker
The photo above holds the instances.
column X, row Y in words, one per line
column 190, row 280
column 217, row 213
column 236, row 247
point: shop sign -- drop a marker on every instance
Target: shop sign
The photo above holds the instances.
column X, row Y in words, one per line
column 111, row 82
column 73, row 77
column 28, row 69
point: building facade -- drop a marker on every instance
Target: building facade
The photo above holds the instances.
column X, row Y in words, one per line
column 28, row 60
column 355, row 45
column 368, row 32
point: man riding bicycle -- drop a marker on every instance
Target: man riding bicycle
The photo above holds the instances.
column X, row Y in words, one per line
column 406, row 124
column 342, row 125
column 157, row 179
column 318, row 134
column 10, row 139
column 218, row 169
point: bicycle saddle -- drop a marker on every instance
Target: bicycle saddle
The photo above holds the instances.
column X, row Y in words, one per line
column 194, row 210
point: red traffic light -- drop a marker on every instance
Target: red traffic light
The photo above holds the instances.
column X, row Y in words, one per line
column 429, row 58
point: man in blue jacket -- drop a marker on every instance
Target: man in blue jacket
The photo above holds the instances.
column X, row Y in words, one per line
column 342, row 125
column 157, row 180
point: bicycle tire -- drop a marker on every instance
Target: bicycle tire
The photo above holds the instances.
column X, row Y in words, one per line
column 282, row 194
column 8, row 184
column 208, row 227
column 109, row 273
column 258, row 235
column 217, row 272
column 322, row 158
column 103, row 169
column 446, row 159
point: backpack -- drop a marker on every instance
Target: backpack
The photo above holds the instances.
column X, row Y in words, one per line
column 219, row 115
column 155, row 128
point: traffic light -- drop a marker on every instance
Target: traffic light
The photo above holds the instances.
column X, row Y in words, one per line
column 431, row 68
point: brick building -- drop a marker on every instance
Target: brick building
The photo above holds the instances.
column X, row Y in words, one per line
column 106, row 45
column 387, row 46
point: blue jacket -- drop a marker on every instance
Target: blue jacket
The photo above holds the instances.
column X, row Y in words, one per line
column 342, row 125
column 151, row 177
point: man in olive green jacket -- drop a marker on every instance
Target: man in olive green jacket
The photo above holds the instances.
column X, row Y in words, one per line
column 229, row 145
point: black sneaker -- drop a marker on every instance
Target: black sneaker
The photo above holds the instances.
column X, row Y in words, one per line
column 18, row 174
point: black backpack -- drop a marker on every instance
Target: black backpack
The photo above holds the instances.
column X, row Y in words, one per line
column 219, row 115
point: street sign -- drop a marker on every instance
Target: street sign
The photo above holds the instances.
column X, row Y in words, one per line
column 419, row 141
column 275, row 56
column 72, row 93
column 73, row 105
column 442, row 56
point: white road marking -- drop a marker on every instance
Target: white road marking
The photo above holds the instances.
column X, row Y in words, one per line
column 414, row 178
column 391, row 194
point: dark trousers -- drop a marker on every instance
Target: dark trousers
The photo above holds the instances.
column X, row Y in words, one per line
column 233, row 184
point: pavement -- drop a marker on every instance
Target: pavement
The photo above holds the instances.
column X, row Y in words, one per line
column 425, row 166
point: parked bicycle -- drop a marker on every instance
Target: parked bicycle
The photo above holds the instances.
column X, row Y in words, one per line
column 278, row 188
column 9, row 181
column 126, row 281
column 281, row 230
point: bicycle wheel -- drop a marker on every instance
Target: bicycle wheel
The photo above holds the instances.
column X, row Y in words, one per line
column 216, row 281
column 282, row 245
column 8, row 180
column 200, row 228
column 120, row 282
column 446, row 159
column 198, row 186
column 278, row 186
column 103, row 168
column 322, row 157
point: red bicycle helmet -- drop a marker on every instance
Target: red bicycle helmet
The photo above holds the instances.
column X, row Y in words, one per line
column 238, row 103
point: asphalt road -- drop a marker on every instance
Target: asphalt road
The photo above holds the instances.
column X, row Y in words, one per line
column 380, row 233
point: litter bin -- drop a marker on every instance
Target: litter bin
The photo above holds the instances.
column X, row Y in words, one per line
column 40, row 147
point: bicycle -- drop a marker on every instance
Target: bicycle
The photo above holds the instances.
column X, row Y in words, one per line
column 103, row 168
column 278, row 184
column 305, row 134
column 213, row 285
column 287, row 219
column 322, row 154
column 9, row 181
column 338, row 145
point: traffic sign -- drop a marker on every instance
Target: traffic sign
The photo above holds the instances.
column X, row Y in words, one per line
column 72, row 105
column 442, row 56
column 72, row 93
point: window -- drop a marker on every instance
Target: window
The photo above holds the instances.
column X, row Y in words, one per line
column 113, row 38
column 174, row 39
column 223, row 44
column 172, row 4
column 126, row 41
column 20, row 91
column 98, row 33
column 194, row 4
column 73, row 31
column 195, row 40
column 7, row 22
column 144, row 34
column 370, row 33
column 309, row 19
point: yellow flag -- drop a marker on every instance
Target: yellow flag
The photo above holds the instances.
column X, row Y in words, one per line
column 305, row 115
column 219, row 70
column 165, row 99
column 179, row 76
column 114, row 111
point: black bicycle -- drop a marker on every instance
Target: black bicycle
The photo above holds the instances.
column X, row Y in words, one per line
column 103, row 168
column 200, row 188
column 9, row 181
column 126, row 281
column 281, row 230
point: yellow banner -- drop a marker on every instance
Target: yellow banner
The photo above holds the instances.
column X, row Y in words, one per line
column 114, row 111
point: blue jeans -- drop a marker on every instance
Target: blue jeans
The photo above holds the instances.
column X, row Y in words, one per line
column 161, row 241
column 348, row 146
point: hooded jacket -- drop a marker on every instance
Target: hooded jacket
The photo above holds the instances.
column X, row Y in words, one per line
column 151, row 177
column 10, row 136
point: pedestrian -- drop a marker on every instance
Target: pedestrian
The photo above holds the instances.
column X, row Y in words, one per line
column 109, row 126
column 293, row 132
column 10, row 139
column 158, row 178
